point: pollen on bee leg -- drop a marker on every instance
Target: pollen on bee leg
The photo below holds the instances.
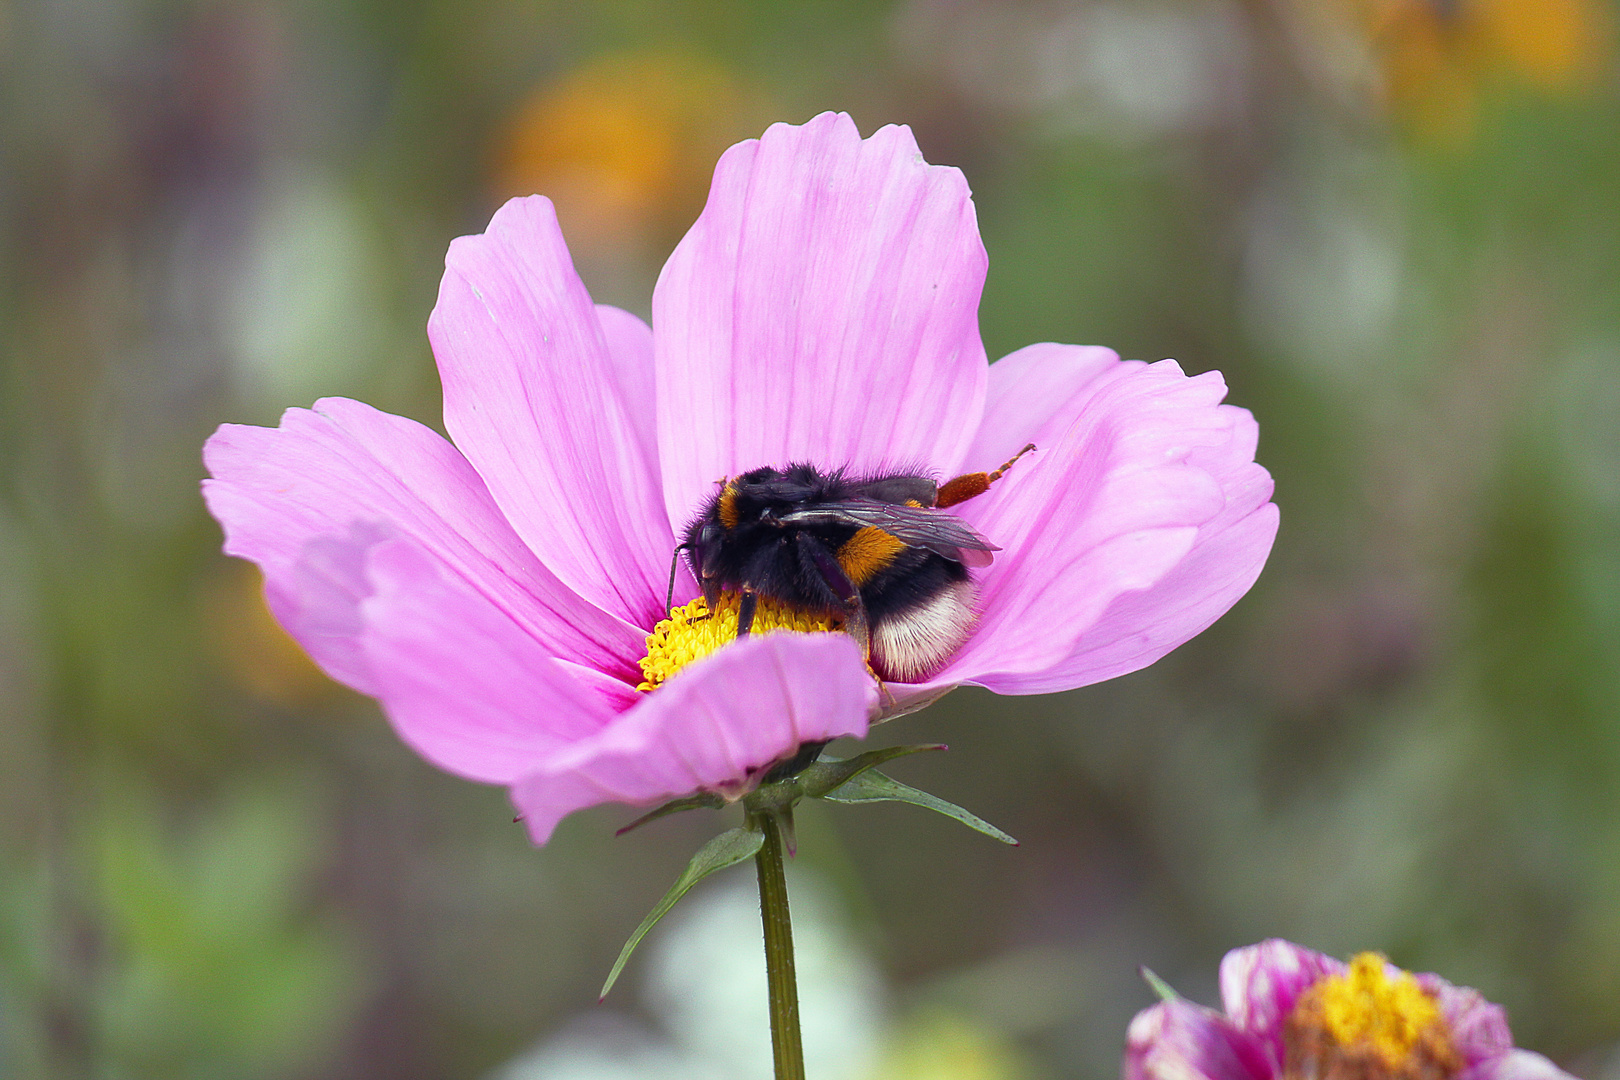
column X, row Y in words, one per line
column 886, row 697
column 964, row 487
column 692, row 632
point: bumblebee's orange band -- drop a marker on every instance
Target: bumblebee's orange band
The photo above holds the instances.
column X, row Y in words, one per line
column 728, row 506
column 867, row 552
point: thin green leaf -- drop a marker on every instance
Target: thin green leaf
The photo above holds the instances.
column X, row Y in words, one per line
column 828, row 774
column 727, row 849
column 873, row 786
column 1165, row 991
column 704, row 800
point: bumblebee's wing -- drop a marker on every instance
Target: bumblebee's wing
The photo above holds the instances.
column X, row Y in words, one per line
column 939, row 532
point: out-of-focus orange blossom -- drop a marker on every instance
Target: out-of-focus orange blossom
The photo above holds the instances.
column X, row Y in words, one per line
column 253, row 647
column 624, row 144
column 1437, row 59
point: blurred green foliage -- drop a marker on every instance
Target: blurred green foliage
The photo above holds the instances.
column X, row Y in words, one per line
column 1394, row 225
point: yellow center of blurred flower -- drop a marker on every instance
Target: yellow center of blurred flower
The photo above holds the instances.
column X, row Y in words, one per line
column 693, row 632
column 1440, row 62
column 624, row 143
column 1365, row 1025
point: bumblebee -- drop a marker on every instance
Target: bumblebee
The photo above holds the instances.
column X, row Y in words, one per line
column 877, row 552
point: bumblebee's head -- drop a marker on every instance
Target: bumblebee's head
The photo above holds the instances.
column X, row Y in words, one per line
column 761, row 497
column 745, row 512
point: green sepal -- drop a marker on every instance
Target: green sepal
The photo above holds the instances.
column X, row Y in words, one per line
column 790, row 834
column 828, row 774
column 872, row 786
column 702, row 800
column 727, row 849
column 1165, row 991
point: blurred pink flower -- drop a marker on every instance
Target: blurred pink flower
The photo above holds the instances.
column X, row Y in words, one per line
column 1294, row 1014
column 494, row 594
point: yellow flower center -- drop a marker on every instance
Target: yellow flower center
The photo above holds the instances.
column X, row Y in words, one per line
column 1366, row 1025
column 692, row 632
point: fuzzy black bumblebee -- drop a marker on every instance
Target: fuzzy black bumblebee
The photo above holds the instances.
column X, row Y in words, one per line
column 879, row 552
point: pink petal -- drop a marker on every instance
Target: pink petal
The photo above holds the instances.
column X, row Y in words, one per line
column 824, row 308
column 1111, row 502
column 1140, row 627
column 532, row 396
column 1260, row 983
column 462, row 683
column 1177, row 1040
column 630, row 348
column 720, row 721
column 1515, row 1065
column 1028, row 391
column 307, row 499
column 1479, row 1029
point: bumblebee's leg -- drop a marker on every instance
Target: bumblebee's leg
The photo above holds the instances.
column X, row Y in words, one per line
column 746, row 603
column 967, row 485
column 674, row 563
column 856, row 626
column 826, row 565
column 1010, row 462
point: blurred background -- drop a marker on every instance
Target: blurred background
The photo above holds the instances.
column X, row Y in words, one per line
column 1393, row 224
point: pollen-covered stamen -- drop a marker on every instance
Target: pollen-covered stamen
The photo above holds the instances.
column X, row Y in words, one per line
column 1366, row 1025
column 692, row 632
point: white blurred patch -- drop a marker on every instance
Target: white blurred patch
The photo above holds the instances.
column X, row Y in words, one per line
column 1324, row 268
column 1582, row 403
column 1144, row 72
column 1610, row 1069
column 1584, row 395
column 602, row 1047
column 303, row 311
column 705, row 982
column 1128, row 71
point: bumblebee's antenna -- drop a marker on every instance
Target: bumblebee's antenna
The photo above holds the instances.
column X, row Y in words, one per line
column 674, row 563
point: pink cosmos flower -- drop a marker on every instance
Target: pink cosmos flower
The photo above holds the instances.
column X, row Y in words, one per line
column 1294, row 1014
column 494, row 594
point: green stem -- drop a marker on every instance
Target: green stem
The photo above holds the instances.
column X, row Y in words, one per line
column 786, row 1046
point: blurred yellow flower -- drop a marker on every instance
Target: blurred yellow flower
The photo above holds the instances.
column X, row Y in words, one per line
column 948, row 1046
column 1435, row 59
column 624, row 143
column 253, row 647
